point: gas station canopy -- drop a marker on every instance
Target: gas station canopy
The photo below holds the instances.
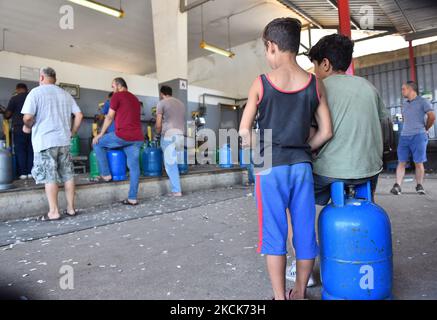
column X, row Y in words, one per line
column 412, row 19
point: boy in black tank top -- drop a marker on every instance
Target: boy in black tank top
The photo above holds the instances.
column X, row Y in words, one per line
column 285, row 102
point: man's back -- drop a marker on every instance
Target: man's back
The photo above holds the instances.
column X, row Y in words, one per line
column 52, row 108
column 128, row 116
column 173, row 112
column 356, row 149
column 15, row 105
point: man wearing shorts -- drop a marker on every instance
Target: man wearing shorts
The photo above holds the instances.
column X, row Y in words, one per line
column 47, row 115
column 414, row 136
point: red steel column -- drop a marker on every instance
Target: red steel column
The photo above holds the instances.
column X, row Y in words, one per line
column 412, row 61
column 345, row 24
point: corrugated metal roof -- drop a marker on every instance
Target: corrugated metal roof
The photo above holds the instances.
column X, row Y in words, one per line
column 403, row 16
column 411, row 16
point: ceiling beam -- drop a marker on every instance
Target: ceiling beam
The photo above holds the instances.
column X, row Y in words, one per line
column 184, row 7
column 421, row 34
column 334, row 4
column 376, row 28
column 375, row 36
column 405, row 16
column 290, row 5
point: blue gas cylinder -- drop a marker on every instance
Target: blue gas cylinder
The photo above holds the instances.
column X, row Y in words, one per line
column 182, row 158
column 245, row 157
column 152, row 160
column 225, row 157
column 356, row 259
column 117, row 165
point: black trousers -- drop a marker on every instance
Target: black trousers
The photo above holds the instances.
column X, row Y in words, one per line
column 23, row 152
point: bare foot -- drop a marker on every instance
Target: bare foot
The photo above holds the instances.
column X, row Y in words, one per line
column 70, row 212
column 50, row 217
column 296, row 295
column 107, row 178
column 176, row 194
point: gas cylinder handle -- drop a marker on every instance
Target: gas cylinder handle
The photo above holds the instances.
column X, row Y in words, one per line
column 364, row 191
column 337, row 194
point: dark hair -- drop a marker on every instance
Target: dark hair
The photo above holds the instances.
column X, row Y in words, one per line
column 337, row 48
column 285, row 33
column 21, row 86
column 166, row 90
column 121, row 82
column 110, row 94
column 413, row 85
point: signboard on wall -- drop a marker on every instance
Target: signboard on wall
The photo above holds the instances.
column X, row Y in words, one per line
column 183, row 85
column 29, row 73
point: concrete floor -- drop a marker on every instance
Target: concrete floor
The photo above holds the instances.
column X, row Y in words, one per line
column 199, row 247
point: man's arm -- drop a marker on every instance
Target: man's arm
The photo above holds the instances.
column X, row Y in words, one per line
column 382, row 110
column 29, row 111
column 323, row 117
column 109, row 119
column 78, row 117
column 29, row 121
column 431, row 120
column 249, row 114
column 158, row 124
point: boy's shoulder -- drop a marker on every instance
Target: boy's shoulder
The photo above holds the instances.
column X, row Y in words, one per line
column 343, row 81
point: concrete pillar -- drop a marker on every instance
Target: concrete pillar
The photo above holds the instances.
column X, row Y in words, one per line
column 170, row 28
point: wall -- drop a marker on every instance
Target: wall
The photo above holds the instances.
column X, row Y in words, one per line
column 95, row 85
column 389, row 77
column 234, row 76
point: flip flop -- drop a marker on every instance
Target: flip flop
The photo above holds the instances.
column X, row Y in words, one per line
column 290, row 294
column 128, row 203
column 46, row 218
column 70, row 215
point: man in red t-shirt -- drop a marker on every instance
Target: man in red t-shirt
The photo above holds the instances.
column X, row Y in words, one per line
column 126, row 111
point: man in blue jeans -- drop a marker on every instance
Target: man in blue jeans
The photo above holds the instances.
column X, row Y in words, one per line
column 170, row 124
column 126, row 111
column 414, row 136
column 104, row 112
column 22, row 141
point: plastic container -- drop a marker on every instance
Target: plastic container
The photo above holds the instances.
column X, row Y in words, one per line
column 152, row 160
column 75, row 146
column 225, row 157
column 182, row 157
column 94, row 167
column 117, row 165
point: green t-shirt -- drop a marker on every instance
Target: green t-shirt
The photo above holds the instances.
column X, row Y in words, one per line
column 356, row 150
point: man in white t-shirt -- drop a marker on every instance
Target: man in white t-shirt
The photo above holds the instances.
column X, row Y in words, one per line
column 47, row 114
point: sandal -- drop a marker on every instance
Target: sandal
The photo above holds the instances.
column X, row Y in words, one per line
column 128, row 203
column 102, row 180
column 70, row 215
column 291, row 292
column 46, row 218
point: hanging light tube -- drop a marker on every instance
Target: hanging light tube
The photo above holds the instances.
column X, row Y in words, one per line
column 206, row 46
column 217, row 50
column 118, row 13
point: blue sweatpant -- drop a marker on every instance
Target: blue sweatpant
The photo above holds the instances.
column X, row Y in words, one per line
column 289, row 186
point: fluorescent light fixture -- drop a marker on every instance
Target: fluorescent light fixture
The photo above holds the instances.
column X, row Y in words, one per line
column 217, row 50
column 118, row 13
